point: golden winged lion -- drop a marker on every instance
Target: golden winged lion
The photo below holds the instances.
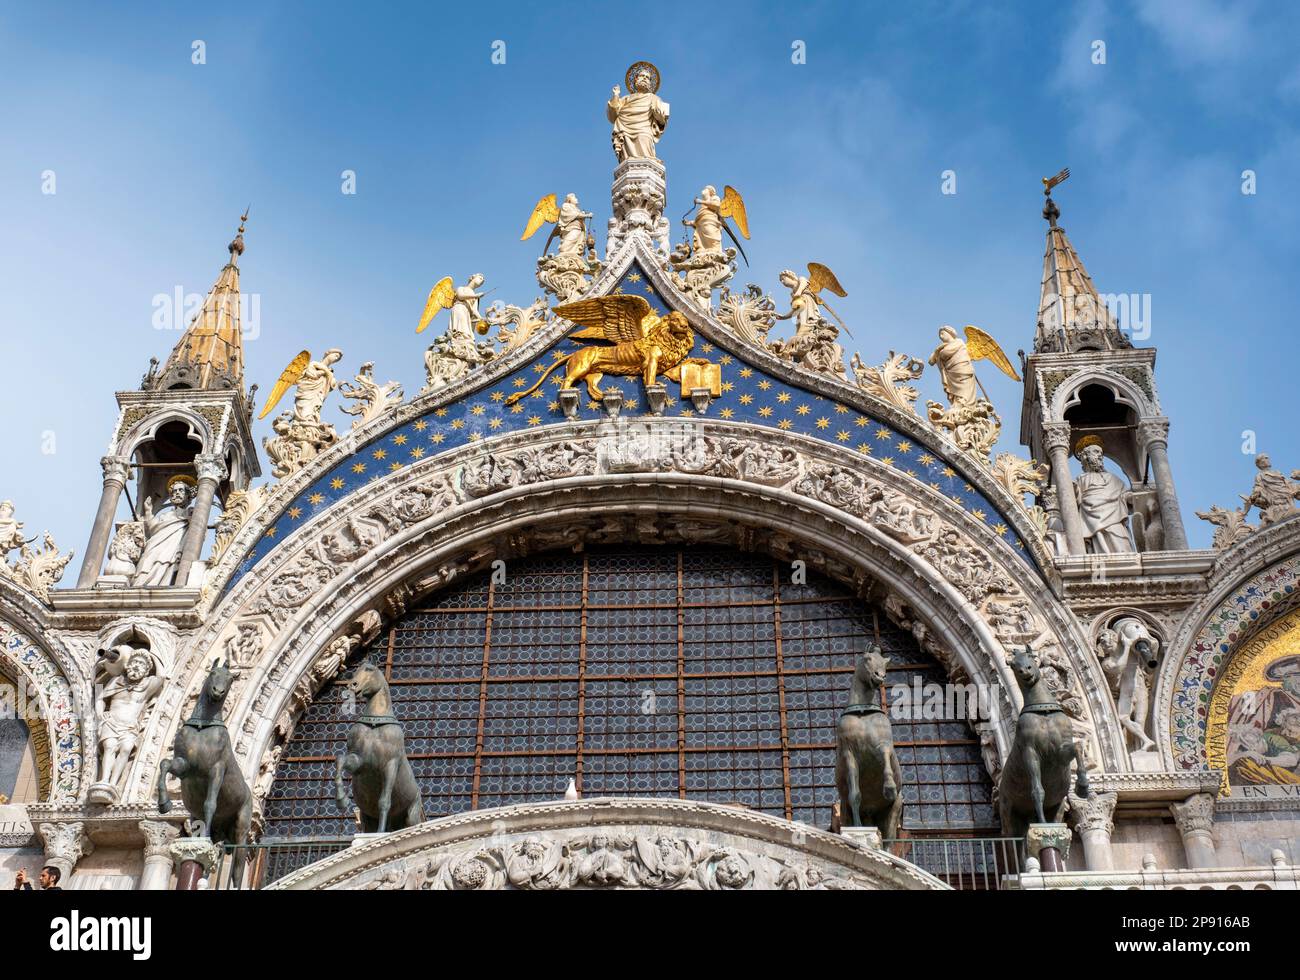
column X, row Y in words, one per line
column 644, row 344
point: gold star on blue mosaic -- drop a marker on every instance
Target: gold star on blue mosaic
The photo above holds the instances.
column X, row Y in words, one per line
column 749, row 395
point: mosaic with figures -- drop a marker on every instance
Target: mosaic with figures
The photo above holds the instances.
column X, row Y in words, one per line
column 748, row 395
column 635, row 672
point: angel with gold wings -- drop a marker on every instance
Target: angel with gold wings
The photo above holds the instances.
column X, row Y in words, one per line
column 644, row 344
column 710, row 220
column 955, row 359
column 570, row 224
column 313, row 381
column 806, row 300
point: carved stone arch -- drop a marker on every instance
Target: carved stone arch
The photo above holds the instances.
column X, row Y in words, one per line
column 60, row 685
column 1255, row 584
column 1126, row 391
column 146, row 429
column 1104, row 619
column 360, row 555
column 249, row 546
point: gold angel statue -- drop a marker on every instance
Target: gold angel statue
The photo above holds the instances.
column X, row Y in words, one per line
column 570, row 224
column 955, row 359
column 644, row 344
column 805, row 298
column 313, row 380
column 710, row 220
column 463, row 303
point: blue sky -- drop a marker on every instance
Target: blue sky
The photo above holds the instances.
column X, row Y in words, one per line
column 839, row 160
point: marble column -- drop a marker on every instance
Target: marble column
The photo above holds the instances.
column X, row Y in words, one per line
column 1195, row 819
column 211, row 471
column 65, row 845
column 1094, row 822
column 158, row 838
column 1058, row 448
column 1154, row 434
column 194, row 858
column 116, row 471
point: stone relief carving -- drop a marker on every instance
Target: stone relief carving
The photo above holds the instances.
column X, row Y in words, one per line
column 1230, row 526
column 240, row 505
column 36, row 570
column 1129, row 652
column 129, row 679
column 749, row 315
column 372, row 399
column 889, row 381
column 607, row 860
column 516, row 324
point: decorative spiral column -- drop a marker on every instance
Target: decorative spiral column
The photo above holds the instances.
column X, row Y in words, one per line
column 116, row 471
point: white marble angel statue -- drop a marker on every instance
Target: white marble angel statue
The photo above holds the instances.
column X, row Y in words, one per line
column 164, row 532
column 710, row 219
column 466, row 320
column 11, row 531
column 640, row 117
column 570, row 225
column 805, row 297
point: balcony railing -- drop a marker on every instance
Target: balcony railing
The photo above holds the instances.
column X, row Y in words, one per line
column 964, row 863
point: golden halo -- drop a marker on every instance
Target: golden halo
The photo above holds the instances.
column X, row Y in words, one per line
column 632, row 72
column 182, row 478
column 1085, row 442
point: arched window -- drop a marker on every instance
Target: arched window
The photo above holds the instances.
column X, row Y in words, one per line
column 24, row 749
column 697, row 673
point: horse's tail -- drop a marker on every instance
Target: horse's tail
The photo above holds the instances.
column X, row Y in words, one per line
column 545, row 374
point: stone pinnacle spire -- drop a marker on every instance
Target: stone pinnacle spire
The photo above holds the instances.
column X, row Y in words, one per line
column 1071, row 314
column 210, row 355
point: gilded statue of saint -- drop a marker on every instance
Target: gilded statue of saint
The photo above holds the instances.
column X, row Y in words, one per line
column 639, row 117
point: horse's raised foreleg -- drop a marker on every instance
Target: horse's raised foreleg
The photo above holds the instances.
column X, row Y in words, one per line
column 175, row 766
column 386, row 793
column 215, row 779
column 1034, row 775
column 1081, row 787
column 888, row 785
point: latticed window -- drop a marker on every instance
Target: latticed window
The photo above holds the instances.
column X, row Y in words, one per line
column 703, row 674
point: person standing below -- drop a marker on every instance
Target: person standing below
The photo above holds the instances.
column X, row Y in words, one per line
column 49, row 880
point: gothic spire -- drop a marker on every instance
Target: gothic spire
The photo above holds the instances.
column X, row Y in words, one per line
column 1071, row 315
column 210, row 355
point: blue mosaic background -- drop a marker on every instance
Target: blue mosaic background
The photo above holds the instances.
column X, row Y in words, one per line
column 748, row 395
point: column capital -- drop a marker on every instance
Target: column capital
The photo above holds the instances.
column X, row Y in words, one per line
column 1057, row 436
column 198, row 849
column 66, row 843
column 1153, row 430
column 117, row 469
column 1195, row 815
column 1042, row 835
column 1097, row 813
column 210, row 466
column 158, row 837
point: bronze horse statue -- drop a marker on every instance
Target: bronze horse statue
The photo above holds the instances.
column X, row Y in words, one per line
column 212, row 786
column 867, row 773
column 1036, row 777
column 382, row 779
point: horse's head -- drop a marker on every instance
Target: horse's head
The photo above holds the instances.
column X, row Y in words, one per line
column 367, row 680
column 1025, row 667
column 220, row 677
column 871, row 667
